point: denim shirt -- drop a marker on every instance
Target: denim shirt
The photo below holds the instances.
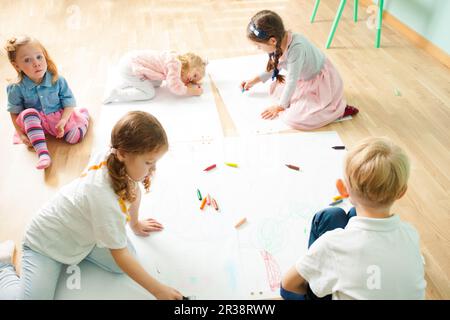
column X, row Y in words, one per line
column 45, row 97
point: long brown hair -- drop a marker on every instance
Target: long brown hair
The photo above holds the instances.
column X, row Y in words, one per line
column 14, row 44
column 137, row 132
column 263, row 26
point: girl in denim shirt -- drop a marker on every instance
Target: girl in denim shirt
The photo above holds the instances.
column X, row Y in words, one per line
column 41, row 102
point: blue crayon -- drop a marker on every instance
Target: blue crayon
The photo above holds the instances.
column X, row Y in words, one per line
column 336, row 202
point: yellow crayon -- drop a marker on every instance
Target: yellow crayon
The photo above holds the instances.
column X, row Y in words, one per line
column 336, row 198
column 234, row 165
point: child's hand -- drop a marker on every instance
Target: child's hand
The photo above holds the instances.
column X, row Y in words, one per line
column 246, row 85
column 143, row 227
column 194, row 89
column 167, row 293
column 60, row 128
column 25, row 139
column 271, row 113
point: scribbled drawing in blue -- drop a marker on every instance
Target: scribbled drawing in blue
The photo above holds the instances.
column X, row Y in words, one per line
column 231, row 271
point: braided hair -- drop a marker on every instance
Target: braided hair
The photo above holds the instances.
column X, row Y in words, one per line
column 264, row 25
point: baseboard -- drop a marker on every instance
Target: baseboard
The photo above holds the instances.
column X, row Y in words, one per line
column 413, row 36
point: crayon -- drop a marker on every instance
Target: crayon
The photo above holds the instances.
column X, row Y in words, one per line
column 240, row 222
column 338, row 147
column 208, row 199
column 336, row 202
column 199, row 195
column 210, row 167
column 290, row 166
column 337, row 198
column 234, row 165
column 341, row 188
column 243, row 89
column 202, row 205
column 214, row 203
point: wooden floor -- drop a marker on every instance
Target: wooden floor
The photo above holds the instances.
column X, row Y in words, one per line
column 85, row 37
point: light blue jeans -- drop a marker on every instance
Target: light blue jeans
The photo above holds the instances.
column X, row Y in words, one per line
column 40, row 274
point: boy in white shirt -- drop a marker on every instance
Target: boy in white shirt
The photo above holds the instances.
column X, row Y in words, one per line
column 368, row 253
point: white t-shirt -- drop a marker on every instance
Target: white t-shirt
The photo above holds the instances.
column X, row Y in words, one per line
column 369, row 259
column 83, row 214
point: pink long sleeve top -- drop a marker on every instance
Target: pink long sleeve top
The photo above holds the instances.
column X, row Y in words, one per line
column 158, row 65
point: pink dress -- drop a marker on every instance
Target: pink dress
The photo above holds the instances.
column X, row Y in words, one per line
column 313, row 92
column 155, row 66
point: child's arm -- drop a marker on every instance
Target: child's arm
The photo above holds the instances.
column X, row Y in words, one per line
column 62, row 123
column 294, row 282
column 141, row 228
column 135, row 271
column 194, row 89
column 19, row 131
column 246, row 85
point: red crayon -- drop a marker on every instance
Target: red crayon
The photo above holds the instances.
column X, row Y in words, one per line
column 210, row 167
column 214, row 203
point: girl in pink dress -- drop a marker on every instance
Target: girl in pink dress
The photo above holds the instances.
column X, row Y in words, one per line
column 312, row 93
column 140, row 72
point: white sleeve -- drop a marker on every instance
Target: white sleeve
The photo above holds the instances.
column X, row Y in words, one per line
column 318, row 267
column 108, row 220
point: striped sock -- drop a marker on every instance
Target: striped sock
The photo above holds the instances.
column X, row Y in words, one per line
column 75, row 135
column 34, row 131
column 85, row 113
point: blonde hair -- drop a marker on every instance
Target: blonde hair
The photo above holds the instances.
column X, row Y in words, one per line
column 14, row 44
column 137, row 132
column 190, row 61
column 377, row 171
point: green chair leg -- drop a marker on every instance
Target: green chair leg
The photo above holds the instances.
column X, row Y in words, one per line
column 379, row 24
column 355, row 11
column 335, row 23
column 316, row 6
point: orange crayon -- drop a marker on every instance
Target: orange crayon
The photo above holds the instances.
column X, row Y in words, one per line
column 240, row 222
column 341, row 188
column 202, row 205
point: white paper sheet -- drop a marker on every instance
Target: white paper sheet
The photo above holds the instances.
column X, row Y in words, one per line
column 183, row 118
column 200, row 252
column 245, row 108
